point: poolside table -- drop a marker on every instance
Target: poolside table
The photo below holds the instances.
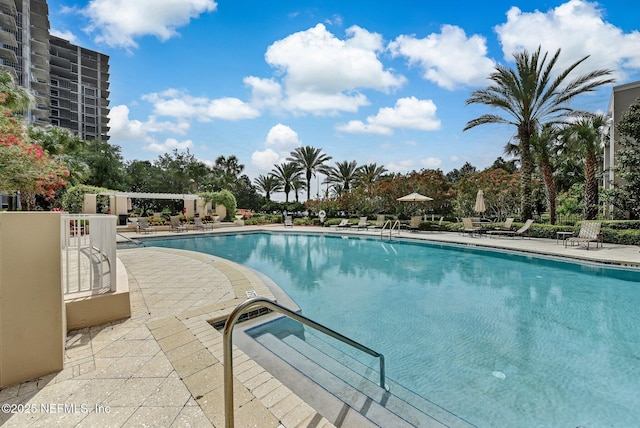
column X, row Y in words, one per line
column 563, row 235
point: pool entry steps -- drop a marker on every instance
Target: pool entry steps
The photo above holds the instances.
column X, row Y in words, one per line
column 351, row 376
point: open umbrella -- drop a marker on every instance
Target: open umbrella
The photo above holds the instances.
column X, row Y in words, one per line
column 480, row 207
column 415, row 197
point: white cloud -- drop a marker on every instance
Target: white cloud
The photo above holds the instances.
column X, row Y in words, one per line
column 454, row 158
column 264, row 92
column 578, row 28
column 264, row 159
column 180, row 104
column 123, row 129
column 169, row 145
column 280, row 141
column 450, row 59
column 119, row 22
column 359, row 127
column 231, row 109
column 67, row 35
column 431, row 163
column 400, row 166
column 408, row 113
column 323, row 74
column 282, row 138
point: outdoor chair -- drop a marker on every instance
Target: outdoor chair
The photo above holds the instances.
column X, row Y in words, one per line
column 437, row 225
column 362, row 224
column 468, row 227
column 288, row 221
column 414, row 223
column 144, row 226
column 523, row 231
column 176, row 225
column 589, row 232
column 198, row 224
column 343, row 223
column 379, row 224
column 506, row 225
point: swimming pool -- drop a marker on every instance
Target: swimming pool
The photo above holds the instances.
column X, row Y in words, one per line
column 497, row 338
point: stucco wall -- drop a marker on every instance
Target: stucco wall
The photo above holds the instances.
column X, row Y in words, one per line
column 31, row 305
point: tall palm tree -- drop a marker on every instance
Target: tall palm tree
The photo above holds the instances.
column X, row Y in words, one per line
column 530, row 96
column 309, row 159
column 583, row 138
column 369, row 173
column 268, row 184
column 343, row 173
column 287, row 173
column 544, row 147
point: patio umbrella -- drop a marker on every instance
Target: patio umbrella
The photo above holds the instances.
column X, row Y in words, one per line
column 480, row 207
column 414, row 197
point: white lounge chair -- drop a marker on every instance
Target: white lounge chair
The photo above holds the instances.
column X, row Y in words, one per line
column 362, row 224
column 343, row 223
column 288, row 221
column 523, row 231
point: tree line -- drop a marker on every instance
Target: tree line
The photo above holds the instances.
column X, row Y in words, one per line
column 554, row 167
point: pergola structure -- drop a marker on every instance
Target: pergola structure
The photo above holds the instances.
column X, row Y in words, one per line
column 120, row 202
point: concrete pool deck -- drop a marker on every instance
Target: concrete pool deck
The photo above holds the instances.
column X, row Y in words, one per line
column 162, row 366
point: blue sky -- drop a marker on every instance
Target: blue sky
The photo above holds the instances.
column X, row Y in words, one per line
column 372, row 81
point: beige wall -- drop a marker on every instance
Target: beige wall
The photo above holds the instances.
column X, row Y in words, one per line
column 31, row 305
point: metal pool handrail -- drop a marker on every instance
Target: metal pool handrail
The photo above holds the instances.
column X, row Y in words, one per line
column 227, row 339
column 392, row 226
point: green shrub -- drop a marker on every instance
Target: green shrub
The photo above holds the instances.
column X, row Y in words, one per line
column 72, row 200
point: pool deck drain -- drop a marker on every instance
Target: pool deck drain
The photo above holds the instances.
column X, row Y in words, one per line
column 162, row 366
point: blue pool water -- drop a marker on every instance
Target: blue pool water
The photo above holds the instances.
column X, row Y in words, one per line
column 496, row 338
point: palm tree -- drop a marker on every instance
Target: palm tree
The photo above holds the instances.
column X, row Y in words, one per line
column 309, row 159
column 287, row 173
column 369, row 173
column 227, row 170
column 584, row 137
column 531, row 97
column 544, row 147
column 344, row 173
column 268, row 184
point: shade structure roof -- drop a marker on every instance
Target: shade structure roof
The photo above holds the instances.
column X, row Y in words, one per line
column 415, row 197
column 142, row 195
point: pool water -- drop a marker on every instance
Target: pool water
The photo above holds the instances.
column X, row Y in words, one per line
column 497, row 338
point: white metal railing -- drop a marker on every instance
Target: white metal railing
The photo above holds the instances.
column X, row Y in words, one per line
column 88, row 253
column 393, row 226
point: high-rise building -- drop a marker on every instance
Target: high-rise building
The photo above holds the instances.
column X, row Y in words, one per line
column 70, row 84
column 24, row 50
column 79, row 89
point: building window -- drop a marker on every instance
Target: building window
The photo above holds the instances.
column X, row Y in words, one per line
column 55, row 93
column 55, row 113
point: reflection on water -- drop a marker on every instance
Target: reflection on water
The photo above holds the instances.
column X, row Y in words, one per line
column 499, row 339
